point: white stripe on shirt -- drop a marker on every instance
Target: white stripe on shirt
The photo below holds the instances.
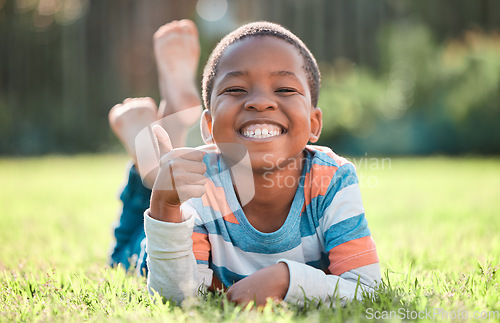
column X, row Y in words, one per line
column 346, row 204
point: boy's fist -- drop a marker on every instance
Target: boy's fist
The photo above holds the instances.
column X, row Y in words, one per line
column 179, row 179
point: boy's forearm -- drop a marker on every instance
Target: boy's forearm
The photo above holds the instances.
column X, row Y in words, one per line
column 172, row 267
column 311, row 283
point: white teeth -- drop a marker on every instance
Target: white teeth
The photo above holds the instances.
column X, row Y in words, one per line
column 261, row 131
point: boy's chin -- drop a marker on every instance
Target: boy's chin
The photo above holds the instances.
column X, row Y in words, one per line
column 266, row 163
column 260, row 162
column 235, row 154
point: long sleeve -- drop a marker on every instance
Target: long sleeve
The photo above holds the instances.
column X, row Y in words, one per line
column 311, row 283
column 353, row 266
column 173, row 271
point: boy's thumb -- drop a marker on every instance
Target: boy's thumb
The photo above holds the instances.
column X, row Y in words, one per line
column 163, row 140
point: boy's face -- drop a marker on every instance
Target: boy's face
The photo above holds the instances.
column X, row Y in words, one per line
column 261, row 100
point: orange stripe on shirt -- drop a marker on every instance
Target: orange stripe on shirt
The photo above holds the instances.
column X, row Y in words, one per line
column 317, row 180
column 201, row 246
column 352, row 254
column 323, row 149
column 230, row 218
column 338, row 159
column 215, row 197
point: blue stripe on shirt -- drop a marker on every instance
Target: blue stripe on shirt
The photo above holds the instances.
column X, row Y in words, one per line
column 353, row 228
column 226, row 277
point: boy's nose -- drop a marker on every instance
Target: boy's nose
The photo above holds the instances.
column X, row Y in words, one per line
column 260, row 103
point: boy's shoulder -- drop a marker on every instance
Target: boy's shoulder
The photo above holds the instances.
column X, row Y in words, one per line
column 326, row 170
column 325, row 156
column 326, row 174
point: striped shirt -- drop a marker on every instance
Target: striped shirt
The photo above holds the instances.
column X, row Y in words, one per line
column 325, row 228
column 325, row 236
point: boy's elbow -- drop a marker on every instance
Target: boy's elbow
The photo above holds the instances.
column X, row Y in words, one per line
column 365, row 280
column 170, row 290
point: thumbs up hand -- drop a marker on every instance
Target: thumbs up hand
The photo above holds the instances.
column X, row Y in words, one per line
column 179, row 179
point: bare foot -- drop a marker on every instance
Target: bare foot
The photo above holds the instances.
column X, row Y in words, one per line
column 129, row 118
column 177, row 52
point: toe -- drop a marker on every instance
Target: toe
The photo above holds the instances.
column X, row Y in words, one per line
column 147, row 101
column 113, row 110
column 188, row 26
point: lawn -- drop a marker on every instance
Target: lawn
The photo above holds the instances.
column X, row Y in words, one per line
column 435, row 221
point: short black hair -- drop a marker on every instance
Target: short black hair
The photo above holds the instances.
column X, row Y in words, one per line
column 255, row 29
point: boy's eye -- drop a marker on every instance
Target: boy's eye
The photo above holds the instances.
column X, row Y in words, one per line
column 286, row 90
column 234, row 90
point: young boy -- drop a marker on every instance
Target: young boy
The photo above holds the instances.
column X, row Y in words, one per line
column 304, row 233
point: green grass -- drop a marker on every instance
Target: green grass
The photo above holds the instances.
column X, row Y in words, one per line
column 434, row 220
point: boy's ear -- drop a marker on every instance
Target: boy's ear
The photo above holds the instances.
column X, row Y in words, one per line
column 316, row 124
column 206, row 127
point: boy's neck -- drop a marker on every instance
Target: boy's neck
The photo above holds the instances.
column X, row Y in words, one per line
column 274, row 193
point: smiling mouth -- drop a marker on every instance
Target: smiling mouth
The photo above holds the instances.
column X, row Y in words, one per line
column 261, row 131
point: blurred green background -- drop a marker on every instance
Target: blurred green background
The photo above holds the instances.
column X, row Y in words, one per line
column 399, row 77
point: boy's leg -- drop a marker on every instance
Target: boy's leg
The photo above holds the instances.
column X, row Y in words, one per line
column 177, row 53
column 127, row 119
column 129, row 228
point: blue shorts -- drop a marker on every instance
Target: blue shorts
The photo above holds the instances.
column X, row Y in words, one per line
column 129, row 250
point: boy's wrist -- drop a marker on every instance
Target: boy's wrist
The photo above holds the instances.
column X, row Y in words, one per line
column 165, row 212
